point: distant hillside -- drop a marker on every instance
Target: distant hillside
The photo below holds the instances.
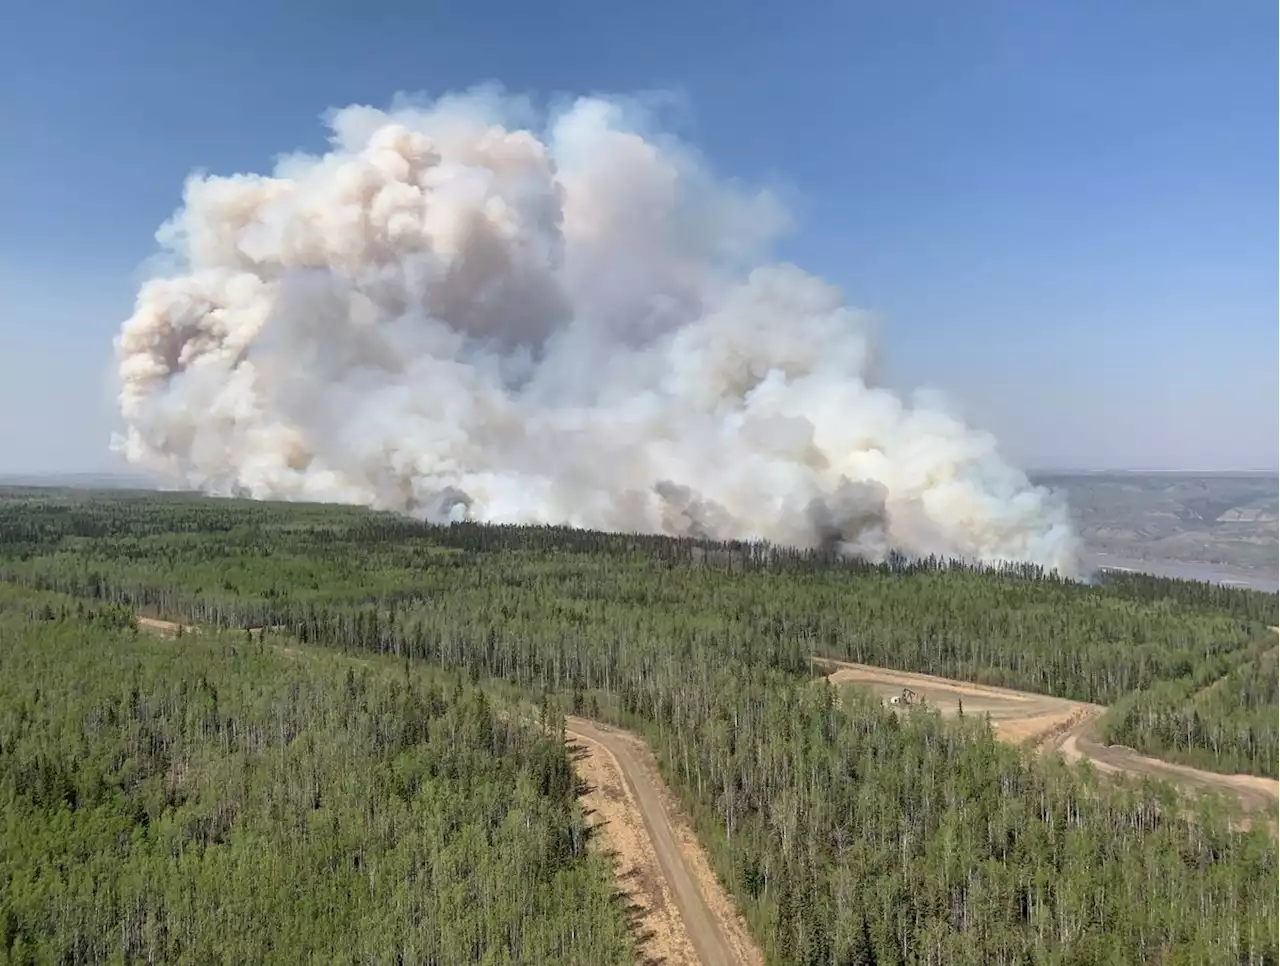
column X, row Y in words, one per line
column 1227, row 520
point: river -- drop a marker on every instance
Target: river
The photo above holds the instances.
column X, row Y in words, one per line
column 1211, row 573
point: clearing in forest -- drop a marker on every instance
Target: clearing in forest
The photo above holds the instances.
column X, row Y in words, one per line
column 165, row 628
column 1050, row 724
column 1016, row 716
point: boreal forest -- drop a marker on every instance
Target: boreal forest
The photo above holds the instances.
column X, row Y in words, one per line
column 356, row 751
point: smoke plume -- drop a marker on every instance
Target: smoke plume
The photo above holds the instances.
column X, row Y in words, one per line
column 454, row 316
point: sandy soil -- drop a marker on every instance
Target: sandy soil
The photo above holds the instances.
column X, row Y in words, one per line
column 166, row 628
column 618, row 828
column 1050, row 724
column 683, row 915
column 170, row 629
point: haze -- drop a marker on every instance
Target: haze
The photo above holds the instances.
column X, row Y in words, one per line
column 1061, row 218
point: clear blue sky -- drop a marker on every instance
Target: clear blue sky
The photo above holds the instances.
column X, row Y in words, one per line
column 1062, row 211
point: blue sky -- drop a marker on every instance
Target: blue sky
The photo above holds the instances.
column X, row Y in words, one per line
column 1061, row 211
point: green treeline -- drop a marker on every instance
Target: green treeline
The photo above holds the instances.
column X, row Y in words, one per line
column 368, row 580
column 217, row 801
column 847, row 834
column 1226, row 722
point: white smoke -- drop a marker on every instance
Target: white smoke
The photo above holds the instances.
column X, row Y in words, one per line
column 452, row 316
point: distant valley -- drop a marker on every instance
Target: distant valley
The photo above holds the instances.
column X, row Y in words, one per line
column 1203, row 526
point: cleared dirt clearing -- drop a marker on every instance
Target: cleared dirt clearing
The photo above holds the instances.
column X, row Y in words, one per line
column 1016, row 716
column 1047, row 723
column 167, row 628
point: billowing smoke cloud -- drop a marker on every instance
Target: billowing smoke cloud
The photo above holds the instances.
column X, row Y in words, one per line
column 455, row 317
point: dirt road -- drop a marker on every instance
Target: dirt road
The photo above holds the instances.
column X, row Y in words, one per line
column 683, row 914
column 1048, row 723
column 1254, row 793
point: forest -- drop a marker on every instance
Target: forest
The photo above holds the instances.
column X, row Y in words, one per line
column 221, row 801
column 1222, row 716
column 847, row 834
